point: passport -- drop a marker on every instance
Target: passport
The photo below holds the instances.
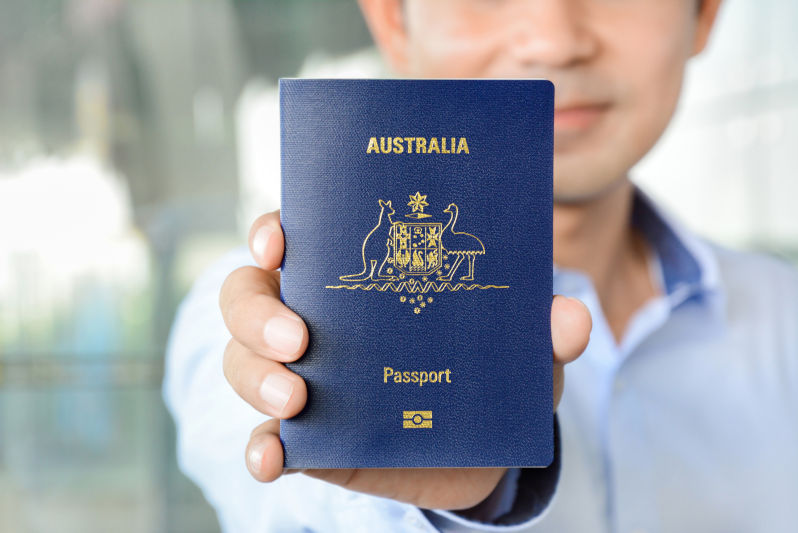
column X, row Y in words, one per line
column 418, row 249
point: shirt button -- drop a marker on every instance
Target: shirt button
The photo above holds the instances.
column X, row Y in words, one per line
column 620, row 384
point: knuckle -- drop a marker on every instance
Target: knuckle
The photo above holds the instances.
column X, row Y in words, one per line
column 235, row 290
column 230, row 286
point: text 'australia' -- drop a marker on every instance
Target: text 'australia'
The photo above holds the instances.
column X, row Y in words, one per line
column 417, row 145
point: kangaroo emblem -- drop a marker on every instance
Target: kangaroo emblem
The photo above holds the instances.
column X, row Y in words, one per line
column 374, row 250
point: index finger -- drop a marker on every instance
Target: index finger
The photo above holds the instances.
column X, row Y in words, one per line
column 266, row 241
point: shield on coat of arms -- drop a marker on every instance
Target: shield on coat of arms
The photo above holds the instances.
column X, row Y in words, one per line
column 417, row 247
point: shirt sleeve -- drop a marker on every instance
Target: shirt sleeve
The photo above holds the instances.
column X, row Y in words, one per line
column 213, row 424
column 520, row 500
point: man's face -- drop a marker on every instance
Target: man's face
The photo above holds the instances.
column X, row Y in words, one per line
column 617, row 66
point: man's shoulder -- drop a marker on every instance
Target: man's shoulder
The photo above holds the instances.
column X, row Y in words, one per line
column 743, row 268
column 758, row 285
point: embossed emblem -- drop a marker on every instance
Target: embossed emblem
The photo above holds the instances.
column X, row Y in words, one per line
column 416, row 247
column 416, row 258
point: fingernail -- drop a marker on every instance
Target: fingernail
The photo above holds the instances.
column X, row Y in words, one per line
column 255, row 457
column 261, row 240
column 276, row 390
column 283, row 334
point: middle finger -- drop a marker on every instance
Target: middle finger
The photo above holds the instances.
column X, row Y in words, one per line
column 256, row 317
column 266, row 385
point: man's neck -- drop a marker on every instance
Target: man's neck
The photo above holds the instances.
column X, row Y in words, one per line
column 597, row 238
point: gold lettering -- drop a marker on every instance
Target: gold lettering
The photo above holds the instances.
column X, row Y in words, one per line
column 373, row 147
column 419, row 145
column 416, row 376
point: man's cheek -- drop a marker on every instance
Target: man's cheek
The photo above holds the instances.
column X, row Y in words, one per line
column 453, row 54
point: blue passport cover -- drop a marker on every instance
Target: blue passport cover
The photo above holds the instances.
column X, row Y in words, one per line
column 418, row 249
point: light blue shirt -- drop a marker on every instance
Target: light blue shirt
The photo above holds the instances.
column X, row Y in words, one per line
column 689, row 424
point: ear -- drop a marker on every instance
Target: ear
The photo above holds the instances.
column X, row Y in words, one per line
column 386, row 21
column 389, row 204
column 707, row 14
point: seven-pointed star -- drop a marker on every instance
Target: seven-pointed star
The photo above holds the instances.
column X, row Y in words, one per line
column 418, row 202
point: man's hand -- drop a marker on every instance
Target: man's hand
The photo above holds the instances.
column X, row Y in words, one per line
column 267, row 334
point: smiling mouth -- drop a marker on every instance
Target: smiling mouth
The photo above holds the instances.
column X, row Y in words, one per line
column 578, row 117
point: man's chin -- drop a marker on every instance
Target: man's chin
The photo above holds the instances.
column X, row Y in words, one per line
column 585, row 191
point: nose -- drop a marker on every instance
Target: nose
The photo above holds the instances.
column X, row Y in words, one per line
column 551, row 33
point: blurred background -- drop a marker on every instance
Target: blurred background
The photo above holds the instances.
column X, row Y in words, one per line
column 138, row 140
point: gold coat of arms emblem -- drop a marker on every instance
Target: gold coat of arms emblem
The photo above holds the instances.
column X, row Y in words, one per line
column 416, row 257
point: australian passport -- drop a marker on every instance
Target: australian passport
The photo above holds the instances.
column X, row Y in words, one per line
column 418, row 249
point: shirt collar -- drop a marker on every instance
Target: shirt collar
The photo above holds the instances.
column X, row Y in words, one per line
column 687, row 265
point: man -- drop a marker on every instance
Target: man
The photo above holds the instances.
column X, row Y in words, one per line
column 680, row 415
